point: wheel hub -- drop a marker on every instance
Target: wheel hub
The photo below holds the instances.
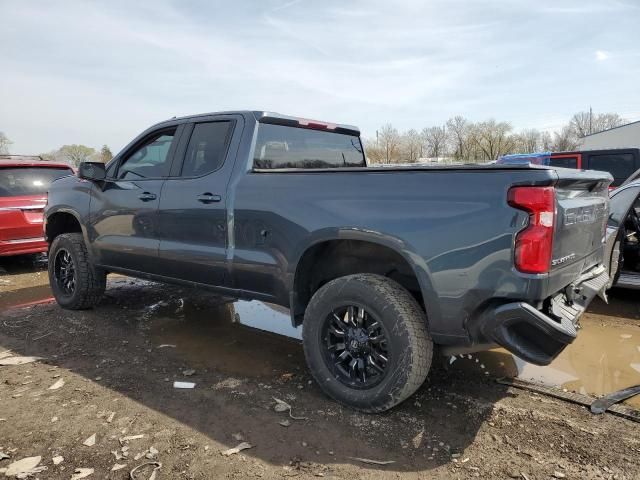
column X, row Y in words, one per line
column 358, row 340
column 355, row 347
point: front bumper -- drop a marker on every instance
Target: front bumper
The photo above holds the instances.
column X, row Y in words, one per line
column 538, row 337
column 22, row 246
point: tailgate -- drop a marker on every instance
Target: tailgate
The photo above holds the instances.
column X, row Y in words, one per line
column 581, row 217
column 21, row 217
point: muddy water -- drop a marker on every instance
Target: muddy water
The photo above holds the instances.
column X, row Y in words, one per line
column 216, row 336
column 604, row 358
column 210, row 331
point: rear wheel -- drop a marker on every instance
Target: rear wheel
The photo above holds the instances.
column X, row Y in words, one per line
column 366, row 342
column 76, row 284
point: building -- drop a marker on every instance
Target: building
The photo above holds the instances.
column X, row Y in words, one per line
column 624, row 136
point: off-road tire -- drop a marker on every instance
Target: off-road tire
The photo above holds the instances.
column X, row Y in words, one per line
column 90, row 282
column 410, row 345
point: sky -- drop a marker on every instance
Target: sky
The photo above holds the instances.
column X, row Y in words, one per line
column 101, row 72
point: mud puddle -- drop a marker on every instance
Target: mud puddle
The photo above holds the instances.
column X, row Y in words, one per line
column 24, row 297
column 232, row 337
column 603, row 359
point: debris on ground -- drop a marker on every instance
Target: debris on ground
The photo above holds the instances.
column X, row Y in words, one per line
column 57, row 385
column 282, row 406
column 58, row 460
column 24, row 467
column 372, row 462
column 81, row 473
column 118, row 466
column 228, row 383
column 91, row 441
column 167, row 345
column 188, row 372
column 157, row 466
column 131, row 437
column 18, row 360
column 603, row 403
column 3, row 456
column 184, row 385
column 238, row 436
column 285, row 423
column 239, row 448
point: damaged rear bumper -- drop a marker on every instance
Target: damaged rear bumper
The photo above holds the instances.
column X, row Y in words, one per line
column 539, row 337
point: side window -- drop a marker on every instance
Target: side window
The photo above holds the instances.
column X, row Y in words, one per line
column 207, row 148
column 279, row 146
column 619, row 165
column 564, row 162
column 151, row 160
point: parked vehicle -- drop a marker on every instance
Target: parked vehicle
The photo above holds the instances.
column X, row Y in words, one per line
column 378, row 265
column 621, row 163
column 23, row 193
column 624, row 227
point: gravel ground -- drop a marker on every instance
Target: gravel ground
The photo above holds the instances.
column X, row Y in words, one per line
column 118, row 363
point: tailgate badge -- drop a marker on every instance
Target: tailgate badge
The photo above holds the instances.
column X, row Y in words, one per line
column 561, row 260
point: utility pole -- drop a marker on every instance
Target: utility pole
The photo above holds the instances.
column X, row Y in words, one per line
column 590, row 117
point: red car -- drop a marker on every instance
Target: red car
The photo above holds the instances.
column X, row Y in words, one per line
column 24, row 182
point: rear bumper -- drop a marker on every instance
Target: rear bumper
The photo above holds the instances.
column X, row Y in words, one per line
column 22, row 246
column 538, row 337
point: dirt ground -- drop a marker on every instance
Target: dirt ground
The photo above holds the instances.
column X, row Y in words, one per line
column 119, row 361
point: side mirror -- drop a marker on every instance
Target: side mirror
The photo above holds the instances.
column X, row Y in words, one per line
column 93, row 171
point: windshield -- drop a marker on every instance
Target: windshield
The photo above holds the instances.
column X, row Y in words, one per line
column 17, row 181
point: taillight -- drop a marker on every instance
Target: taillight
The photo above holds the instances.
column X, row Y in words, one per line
column 534, row 244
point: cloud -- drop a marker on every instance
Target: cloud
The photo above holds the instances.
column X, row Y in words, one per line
column 85, row 72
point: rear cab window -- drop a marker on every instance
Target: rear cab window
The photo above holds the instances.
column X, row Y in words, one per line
column 281, row 146
column 19, row 181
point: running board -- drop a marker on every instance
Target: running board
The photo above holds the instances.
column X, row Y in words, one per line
column 628, row 280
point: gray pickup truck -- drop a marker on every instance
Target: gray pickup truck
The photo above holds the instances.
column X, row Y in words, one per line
column 378, row 265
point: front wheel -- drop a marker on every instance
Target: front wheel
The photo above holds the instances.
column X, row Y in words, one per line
column 76, row 284
column 366, row 342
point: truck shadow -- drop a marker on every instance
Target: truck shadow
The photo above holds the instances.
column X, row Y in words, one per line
column 144, row 335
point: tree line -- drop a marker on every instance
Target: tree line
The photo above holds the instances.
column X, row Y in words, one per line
column 71, row 154
column 460, row 139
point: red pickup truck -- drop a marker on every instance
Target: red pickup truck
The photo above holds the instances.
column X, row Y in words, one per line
column 24, row 182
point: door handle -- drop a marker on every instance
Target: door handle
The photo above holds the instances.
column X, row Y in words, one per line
column 208, row 198
column 147, row 196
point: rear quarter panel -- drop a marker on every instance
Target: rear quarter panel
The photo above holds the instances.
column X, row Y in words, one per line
column 454, row 227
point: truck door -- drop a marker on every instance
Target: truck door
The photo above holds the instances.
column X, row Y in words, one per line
column 193, row 204
column 124, row 211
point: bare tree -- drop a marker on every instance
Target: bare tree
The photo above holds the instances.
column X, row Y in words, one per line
column 372, row 151
column 529, row 141
column 586, row 123
column 493, row 139
column 459, row 130
column 389, row 142
column 564, row 140
column 412, row 146
column 4, row 144
column 435, row 139
column 546, row 142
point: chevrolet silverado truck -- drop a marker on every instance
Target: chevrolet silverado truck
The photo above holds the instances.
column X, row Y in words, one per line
column 378, row 265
